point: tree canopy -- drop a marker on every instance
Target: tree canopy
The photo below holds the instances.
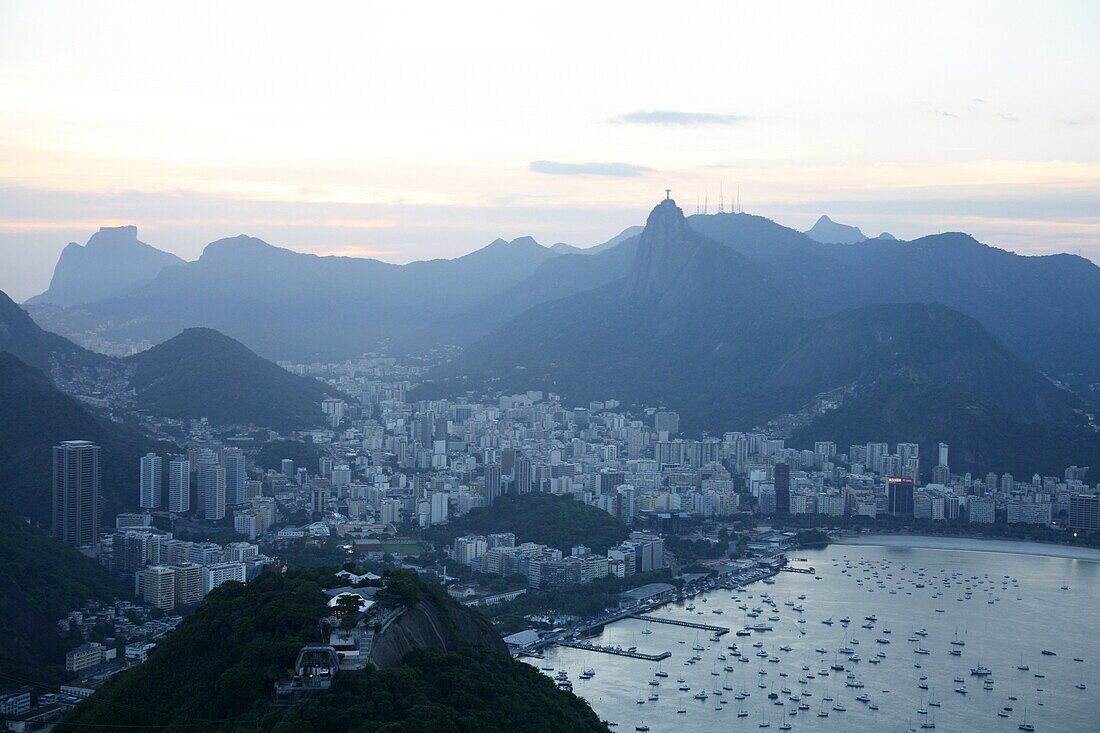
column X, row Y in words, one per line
column 557, row 521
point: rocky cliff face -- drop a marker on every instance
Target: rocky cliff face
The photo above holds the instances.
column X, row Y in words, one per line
column 112, row 262
column 433, row 622
column 666, row 246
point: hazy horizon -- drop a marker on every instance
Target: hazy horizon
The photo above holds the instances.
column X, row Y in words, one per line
column 387, row 136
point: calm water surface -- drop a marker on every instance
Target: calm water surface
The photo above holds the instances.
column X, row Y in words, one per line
column 1016, row 608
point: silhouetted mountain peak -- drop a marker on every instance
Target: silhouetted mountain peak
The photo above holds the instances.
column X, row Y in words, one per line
column 112, row 236
column 241, row 245
column 565, row 249
column 113, row 262
column 827, row 231
column 518, row 244
column 666, row 220
column 200, row 336
column 666, row 246
column 524, row 242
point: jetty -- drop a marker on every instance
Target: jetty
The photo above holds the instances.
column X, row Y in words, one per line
column 716, row 630
column 588, row 647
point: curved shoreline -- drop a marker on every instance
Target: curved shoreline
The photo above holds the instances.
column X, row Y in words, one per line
column 971, row 544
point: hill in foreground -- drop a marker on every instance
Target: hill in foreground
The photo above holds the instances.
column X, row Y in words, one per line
column 216, row 672
column 41, row 580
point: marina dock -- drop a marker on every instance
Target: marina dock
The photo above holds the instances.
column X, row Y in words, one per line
column 717, row 630
column 616, row 651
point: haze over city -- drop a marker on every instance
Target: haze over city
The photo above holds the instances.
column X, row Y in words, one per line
column 576, row 368
column 420, row 131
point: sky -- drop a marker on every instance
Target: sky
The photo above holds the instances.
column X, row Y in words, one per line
column 415, row 130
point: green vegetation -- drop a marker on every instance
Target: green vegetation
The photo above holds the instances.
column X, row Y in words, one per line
column 218, row 668
column 472, row 691
column 557, row 521
column 590, row 599
column 982, row 437
column 402, row 588
column 41, row 349
column 688, row 550
column 216, row 673
column 40, row 581
column 203, row 373
column 302, row 452
column 34, row 417
column 311, row 553
column 812, row 538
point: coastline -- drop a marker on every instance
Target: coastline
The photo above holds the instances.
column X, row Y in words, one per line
column 970, row 544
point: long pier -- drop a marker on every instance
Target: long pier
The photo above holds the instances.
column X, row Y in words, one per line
column 792, row 569
column 718, row 630
column 615, row 650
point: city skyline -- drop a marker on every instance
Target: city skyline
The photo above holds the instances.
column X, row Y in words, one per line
column 573, row 367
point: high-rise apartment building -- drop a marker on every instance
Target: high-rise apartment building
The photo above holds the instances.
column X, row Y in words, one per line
column 523, row 475
column 492, row 483
column 157, row 585
column 666, row 422
column 76, row 492
column 151, row 469
column 782, row 488
column 211, row 484
column 179, row 485
column 236, row 477
column 189, row 588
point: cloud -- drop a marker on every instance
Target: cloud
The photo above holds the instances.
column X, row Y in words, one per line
column 621, row 170
column 671, row 117
column 1007, row 117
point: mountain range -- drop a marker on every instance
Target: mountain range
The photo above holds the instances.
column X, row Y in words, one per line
column 718, row 331
column 732, row 305
column 288, row 305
